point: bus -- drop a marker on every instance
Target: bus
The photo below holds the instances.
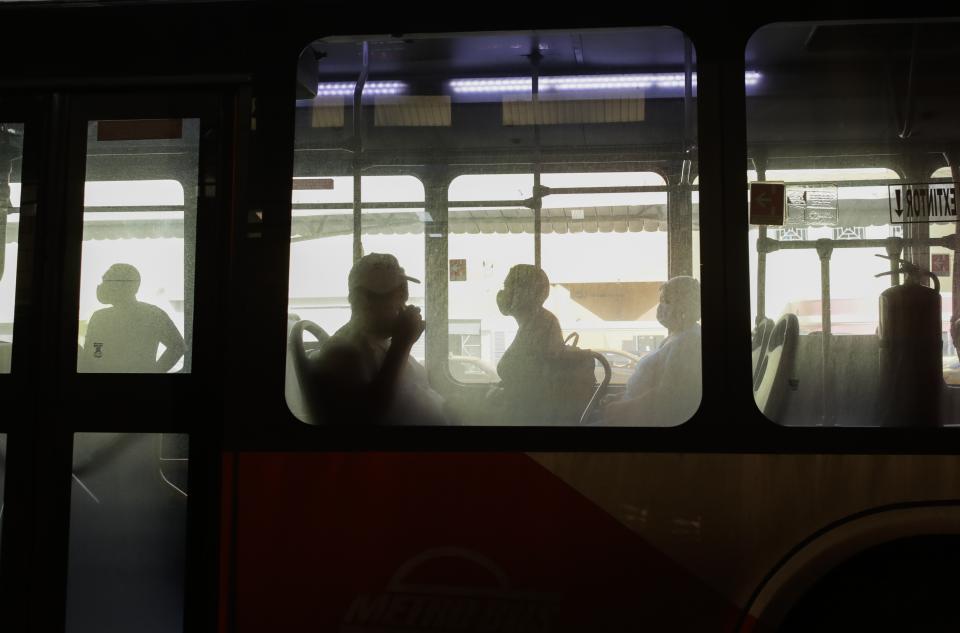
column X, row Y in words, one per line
column 210, row 188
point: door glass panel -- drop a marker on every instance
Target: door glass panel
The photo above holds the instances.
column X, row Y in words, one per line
column 139, row 241
column 11, row 155
column 128, row 512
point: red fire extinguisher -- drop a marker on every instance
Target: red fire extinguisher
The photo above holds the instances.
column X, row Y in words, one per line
column 911, row 365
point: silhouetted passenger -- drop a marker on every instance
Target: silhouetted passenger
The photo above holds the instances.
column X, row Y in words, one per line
column 538, row 335
column 529, row 366
column 665, row 388
column 126, row 337
column 365, row 372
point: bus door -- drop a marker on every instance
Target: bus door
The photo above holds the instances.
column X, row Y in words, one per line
column 115, row 382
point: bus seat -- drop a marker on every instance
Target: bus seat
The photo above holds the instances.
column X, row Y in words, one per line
column 761, row 334
column 776, row 367
column 298, row 355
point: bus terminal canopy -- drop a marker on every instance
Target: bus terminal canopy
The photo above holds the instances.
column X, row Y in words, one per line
column 146, row 223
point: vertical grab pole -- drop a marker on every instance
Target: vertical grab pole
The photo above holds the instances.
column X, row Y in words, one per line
column 761, row 276
column 760, row 163
column 358, row 151
column 535, row 57
column 824, row 251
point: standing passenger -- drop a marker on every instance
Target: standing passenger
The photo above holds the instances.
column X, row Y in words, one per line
column 126, row 337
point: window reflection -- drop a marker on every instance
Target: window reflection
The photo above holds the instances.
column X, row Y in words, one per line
column 127, row 533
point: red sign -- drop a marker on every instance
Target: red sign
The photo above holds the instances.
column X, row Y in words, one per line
column 139, row 129
column 767, row 203
column 940, row 265
column 458, row 270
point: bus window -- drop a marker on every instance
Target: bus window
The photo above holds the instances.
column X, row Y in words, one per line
column 128, row 532
column 11, row 145
column 536, row 164
column 832, row 344
column 139, row 229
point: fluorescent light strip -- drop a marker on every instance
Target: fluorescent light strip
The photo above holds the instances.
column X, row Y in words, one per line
column 580, row 83
column 346, row 88
column 525, row 84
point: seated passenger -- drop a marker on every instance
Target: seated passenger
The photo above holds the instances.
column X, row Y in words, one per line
column 665, row 388
column 538, row 335
column 365, row 373
column 524, row 365
column 126, row 337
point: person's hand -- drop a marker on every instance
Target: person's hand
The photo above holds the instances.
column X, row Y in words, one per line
column 410, row 325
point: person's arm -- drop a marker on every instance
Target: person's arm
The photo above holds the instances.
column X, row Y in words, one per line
column 171, row 340
column 342, row 393
column 85, row 352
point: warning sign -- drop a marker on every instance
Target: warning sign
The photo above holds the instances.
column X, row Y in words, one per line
column 923, row 203
column 812, row 205
column 458, row 270
column 767, row 203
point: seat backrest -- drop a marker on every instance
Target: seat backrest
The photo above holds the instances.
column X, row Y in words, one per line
column 761, row 335
column 771, row 384
column 298, row 361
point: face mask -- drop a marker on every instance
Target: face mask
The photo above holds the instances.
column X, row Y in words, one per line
column 664, row 315
column 503, row 304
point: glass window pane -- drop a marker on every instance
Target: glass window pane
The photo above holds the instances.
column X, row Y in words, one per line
column 483, row 244
column 533, row 156
column 139, row 240
column 842, row 337
column 128, row 514
column 11, row 154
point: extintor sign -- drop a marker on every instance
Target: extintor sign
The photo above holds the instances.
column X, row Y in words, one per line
column 923, row 203
column 767, row 203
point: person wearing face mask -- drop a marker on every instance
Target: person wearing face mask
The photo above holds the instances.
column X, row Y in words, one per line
column 365, row 372
column 125, row 337
column 665, row 388
column 538, row 334
column 536, row 382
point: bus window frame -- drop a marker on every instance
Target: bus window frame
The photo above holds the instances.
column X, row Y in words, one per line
column 437, row 284
column 26, row 111
column 437, row 342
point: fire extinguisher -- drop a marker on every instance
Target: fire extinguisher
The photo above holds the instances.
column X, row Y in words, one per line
column 911, row 365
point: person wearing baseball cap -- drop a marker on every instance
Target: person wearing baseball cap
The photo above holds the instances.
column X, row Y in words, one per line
column 125, row 337
column 365, row 372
